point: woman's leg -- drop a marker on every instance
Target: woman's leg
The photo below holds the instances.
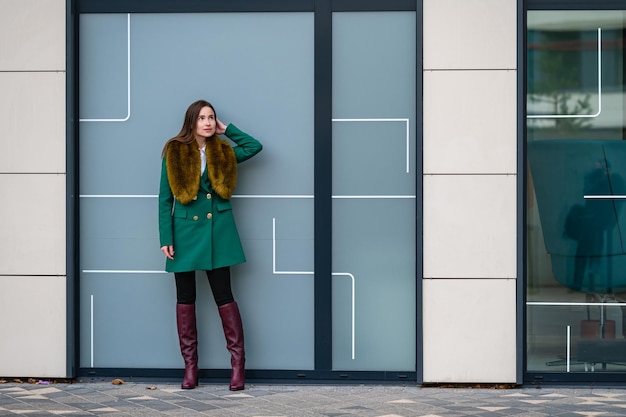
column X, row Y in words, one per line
column 185, row 287
column 219, row 279
column 186, row 324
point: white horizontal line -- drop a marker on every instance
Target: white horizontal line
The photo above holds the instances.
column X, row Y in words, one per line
column 370, row 120
column 273, row 196
column 343, row 197
column 549, row 303
column 156, row 196
column 118, row 196
column 304, row 196
column 605, row 197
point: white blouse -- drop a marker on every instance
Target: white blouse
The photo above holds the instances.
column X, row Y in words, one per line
column 203, row 159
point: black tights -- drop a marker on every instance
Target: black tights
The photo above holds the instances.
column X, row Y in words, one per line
column 219, row 280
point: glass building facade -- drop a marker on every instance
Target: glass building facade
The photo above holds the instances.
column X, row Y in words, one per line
column 429, row 207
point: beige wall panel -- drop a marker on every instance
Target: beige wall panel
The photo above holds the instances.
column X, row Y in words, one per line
column 34, row 339
column 470, row 122
column 469, row 331
column 32, row 122
column 470, row 226
column 466, row 34
column 32, row 220
column 32, row 35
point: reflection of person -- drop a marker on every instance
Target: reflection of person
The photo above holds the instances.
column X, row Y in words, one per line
column 197, row 228
column 590, row 224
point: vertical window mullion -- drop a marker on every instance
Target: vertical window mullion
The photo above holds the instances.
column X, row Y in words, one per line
column 323, row 185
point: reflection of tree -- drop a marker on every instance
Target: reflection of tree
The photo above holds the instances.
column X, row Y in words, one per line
column 557, row 78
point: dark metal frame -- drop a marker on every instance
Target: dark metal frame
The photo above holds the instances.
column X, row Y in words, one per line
column 521, row 194
column 323, row 10
column 323, row 163
column 596, row 378
column 419, row 189
column 71, row 184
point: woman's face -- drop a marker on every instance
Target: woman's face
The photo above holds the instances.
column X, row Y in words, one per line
column 205, row 126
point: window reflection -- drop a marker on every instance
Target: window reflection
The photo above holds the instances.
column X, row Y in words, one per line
column 576, row 227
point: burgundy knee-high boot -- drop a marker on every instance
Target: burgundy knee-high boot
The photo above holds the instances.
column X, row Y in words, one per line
column 233, row 331
column 188, row 339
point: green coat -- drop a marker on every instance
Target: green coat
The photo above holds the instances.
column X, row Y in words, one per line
column 203, row 233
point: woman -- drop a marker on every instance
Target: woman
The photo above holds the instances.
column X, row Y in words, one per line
column 197, row 228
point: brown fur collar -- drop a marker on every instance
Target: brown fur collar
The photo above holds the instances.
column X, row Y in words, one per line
column 183, row 168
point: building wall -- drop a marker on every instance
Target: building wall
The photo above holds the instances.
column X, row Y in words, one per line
column 470, row 151
column 469, row 286
column 32, row 180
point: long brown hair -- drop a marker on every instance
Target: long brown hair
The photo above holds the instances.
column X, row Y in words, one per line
column 187, row 131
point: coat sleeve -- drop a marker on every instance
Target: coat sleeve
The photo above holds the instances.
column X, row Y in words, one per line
column 166, row 200
column 247, row 146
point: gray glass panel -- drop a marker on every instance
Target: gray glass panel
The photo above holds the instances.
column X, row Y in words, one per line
column 104, row 66
column 128, row 320
column 257, row 69
column 119, row 233
column 374, row 306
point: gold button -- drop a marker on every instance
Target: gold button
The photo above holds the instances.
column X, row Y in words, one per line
column 208, row 216
column 208, row 196
column 195, row 217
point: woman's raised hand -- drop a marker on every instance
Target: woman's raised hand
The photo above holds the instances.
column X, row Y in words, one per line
column 220, row 128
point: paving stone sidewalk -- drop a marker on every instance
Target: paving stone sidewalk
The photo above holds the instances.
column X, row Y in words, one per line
column 258, row 400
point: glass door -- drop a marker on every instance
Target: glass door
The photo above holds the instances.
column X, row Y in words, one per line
column 576, row 228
